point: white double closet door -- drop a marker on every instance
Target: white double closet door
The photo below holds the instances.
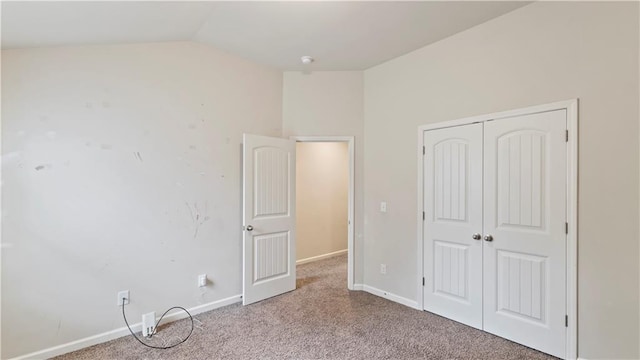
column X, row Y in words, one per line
column 494, row 227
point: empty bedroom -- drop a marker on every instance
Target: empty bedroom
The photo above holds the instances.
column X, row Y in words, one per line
column 320, row 180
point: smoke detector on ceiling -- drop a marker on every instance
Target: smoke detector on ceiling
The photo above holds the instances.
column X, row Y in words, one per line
column 306, row 60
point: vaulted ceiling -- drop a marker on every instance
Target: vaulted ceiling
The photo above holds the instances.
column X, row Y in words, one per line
column 340, row 35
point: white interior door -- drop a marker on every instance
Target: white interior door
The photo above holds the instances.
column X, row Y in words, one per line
column 525, row 174
column 268, row 217
column 453, row 214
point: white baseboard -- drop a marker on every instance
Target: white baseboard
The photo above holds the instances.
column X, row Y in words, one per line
column 389, row 296
column 321, row 257
column 358, row 287
column 123, row 331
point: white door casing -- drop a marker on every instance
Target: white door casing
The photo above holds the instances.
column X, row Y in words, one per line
column 453, row 213
column 525, row 176
column 268, row 217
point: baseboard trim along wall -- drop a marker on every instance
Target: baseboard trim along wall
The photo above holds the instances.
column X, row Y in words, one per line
column 123, row 331
column 389, row 296
column 321, row 257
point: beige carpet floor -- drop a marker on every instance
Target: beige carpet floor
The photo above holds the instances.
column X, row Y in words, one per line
column 319, row 320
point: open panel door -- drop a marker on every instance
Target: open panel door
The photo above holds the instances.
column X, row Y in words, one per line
column 269, row 246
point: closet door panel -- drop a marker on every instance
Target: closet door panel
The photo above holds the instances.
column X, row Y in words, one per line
column 453, row 213
column 524, row 213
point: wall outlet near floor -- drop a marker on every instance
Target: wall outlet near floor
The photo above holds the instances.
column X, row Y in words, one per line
column 202, row 280
column 124, row 294
column 383, row 269
column 148, row 324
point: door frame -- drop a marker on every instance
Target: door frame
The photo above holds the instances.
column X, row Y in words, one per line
column 350, row 140
column 571, row 107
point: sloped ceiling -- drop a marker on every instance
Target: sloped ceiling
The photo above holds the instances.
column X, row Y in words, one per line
column 340, row 35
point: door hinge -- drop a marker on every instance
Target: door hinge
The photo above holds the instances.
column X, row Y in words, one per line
column 423, row 281
column 566, row 228
column 424, row 151
column 423, row 216
column 566, row 321
column 567, row 135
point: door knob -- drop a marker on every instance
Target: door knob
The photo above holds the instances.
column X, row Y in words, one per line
column 476, row 236
column 249, row 228
column 488, row 238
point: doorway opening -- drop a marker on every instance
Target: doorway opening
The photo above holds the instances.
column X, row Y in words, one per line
column 324, row 199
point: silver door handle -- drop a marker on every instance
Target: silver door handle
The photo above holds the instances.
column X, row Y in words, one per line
column 488, row 238
column 476, row 236
column 249, row 228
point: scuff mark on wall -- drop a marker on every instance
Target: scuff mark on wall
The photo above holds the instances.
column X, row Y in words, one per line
column 197, row 217
column 43, row 167
column 106, row 147
column 137, row 155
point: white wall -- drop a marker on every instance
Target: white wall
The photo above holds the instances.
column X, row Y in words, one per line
column 541, row 53
column 322, row 189
column 330, row 103
column 121, row 170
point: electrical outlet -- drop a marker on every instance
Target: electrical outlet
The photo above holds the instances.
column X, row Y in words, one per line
column 124, row 294
column 202, row 280
column 148, row 324
column 383, row 206
column 383, row 269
